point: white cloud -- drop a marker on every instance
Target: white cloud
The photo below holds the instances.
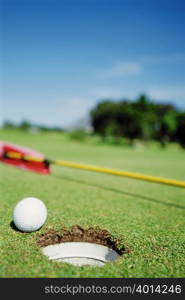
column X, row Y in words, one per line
column 162, row 59
column 121, row 69
column 172, row 93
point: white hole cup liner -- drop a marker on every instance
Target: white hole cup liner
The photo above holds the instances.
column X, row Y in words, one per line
column 80, row 253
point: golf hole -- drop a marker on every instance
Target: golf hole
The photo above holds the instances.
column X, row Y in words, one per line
column 80, row 247
column 79, row 253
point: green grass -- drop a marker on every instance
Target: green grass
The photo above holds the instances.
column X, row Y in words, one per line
column 149, row 218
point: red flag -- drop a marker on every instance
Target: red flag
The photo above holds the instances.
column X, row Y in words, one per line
column 41, row 167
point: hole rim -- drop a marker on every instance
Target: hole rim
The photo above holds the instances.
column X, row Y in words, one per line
column 77, row 252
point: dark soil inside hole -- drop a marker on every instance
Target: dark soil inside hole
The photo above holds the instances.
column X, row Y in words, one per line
column 79, row 234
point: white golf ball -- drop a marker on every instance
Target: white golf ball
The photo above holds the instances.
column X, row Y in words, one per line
column 29, row 214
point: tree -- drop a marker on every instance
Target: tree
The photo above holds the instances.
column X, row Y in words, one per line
column 167, row 123
column 125, row 118
column 25, row 125
column 145, row 110
column 103, row 117
column 140, row 119
column 8, row 125
column 181, row 129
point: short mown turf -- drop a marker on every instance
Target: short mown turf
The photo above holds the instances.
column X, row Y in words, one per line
column 148, row 218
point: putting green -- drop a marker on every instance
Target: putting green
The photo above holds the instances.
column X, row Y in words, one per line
column 149, row 218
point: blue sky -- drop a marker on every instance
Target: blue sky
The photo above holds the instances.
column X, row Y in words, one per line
column 59, row 57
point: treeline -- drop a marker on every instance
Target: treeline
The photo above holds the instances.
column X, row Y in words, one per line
column 25, row 125
column 140, row 119
column 117, row 121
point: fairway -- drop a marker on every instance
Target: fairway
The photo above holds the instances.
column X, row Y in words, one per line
column 147, row 218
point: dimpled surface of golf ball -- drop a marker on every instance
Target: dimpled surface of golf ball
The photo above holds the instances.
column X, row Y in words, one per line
column 29, row 214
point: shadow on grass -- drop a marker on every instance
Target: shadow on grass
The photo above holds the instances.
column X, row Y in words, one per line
column 12, row 225
column 147, row 198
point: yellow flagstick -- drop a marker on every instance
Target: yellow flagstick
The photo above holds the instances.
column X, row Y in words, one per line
column 121, row 173
column 63, row 163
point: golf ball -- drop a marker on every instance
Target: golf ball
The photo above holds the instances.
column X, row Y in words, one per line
column 29, row 214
